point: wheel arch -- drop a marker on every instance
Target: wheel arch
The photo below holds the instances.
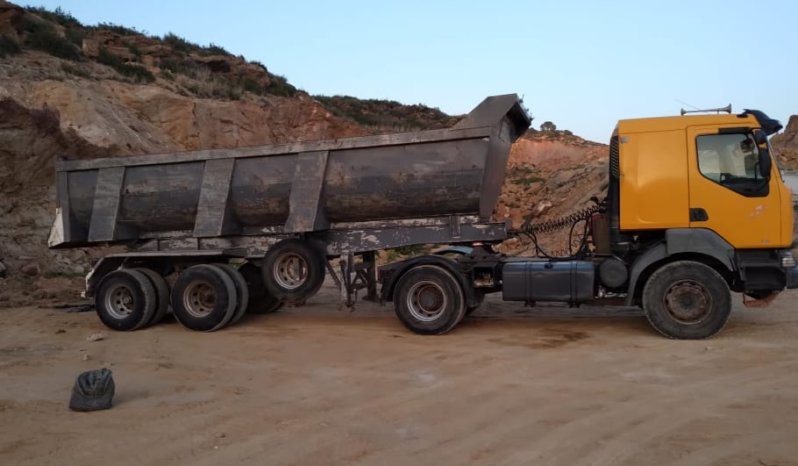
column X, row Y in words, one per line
column 694, row 244
column 399, row 269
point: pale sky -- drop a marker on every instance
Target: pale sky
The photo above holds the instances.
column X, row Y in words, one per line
column 581, row 64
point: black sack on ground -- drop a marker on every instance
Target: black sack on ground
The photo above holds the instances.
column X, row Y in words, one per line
column 93, row 390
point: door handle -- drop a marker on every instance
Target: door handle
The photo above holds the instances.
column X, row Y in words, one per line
column 697, row 214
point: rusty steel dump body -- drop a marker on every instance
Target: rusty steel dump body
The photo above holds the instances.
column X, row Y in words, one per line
column 438, row 177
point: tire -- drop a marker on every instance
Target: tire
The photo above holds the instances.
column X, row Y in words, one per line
column 204, row 298
column 293, row 271
column 260, row 301
column 687, row 300
column 125, row 300
column 162, row 293
column 429, row 301
column 479, row 298
column 242, row 291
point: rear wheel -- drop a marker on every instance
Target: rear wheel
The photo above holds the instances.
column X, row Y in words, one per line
column 125, row 300
column 204, row 298
column 293, row 271
column 687, row 300
column 428, row 300
column 161, row 291
column 242, row 291
column 260, row 301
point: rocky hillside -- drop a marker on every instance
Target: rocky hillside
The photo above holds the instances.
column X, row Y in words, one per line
column 550, row 174
column 75, row 91
column 786, row 144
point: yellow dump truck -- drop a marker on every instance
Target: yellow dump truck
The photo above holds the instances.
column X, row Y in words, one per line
column 695, row 209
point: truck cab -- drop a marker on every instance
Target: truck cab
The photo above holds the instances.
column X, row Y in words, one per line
column 704, row 187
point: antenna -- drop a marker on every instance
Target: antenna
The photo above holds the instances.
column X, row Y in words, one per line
column 685, row 103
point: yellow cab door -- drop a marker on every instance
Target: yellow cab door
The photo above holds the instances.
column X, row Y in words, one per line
column 728, row 194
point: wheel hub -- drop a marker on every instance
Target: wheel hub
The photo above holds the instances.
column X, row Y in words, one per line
column 426, row 301
column 688, row 301
column 199, row 299
column 290, row 271
column 119, row 302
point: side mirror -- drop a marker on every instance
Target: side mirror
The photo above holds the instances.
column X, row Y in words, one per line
column 765, row 163
column 760, row 138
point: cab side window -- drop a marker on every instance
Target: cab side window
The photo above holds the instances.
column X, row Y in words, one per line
column 731, row 161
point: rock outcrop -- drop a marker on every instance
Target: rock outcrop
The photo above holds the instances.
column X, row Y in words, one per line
column 786, row 144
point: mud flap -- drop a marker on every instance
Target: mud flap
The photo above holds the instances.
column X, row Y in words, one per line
column 759, row 303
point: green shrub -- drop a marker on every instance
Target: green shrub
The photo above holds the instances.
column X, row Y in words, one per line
column 386, row 113
column 75, row 36
column 8, row 46
column 195, row 89
column 280, row 86
column 134, row 50
column 277, row 86
column 179, row 44
column 524, row 175
column 250, row 85
column 117, row 29
column 182, row 66
column 168, row 75
column 43, row 37
column 256, row 63
column 214, row 49
column 136, row 72
column 57, row 16
column 75, row 70
column 233, row 93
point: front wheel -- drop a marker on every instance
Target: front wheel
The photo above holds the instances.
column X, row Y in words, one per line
column 687, row 300
column 429, row 300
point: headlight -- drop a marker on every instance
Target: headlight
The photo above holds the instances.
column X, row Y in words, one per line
column 787, row 260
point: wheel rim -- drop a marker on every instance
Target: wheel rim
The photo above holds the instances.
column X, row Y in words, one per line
column 290, row 271
column 688, row 301
column 119, row 301
column 199, row 299
column 426, row 301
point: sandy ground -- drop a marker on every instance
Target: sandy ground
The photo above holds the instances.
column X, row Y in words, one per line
column 314, row 385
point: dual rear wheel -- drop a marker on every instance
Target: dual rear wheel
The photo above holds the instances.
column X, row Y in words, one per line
column 204, row 297
column 208, row 297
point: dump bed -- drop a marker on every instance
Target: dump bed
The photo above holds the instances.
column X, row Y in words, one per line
column 291, row 188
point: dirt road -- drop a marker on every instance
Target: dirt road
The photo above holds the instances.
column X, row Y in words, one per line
column 314, row 385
